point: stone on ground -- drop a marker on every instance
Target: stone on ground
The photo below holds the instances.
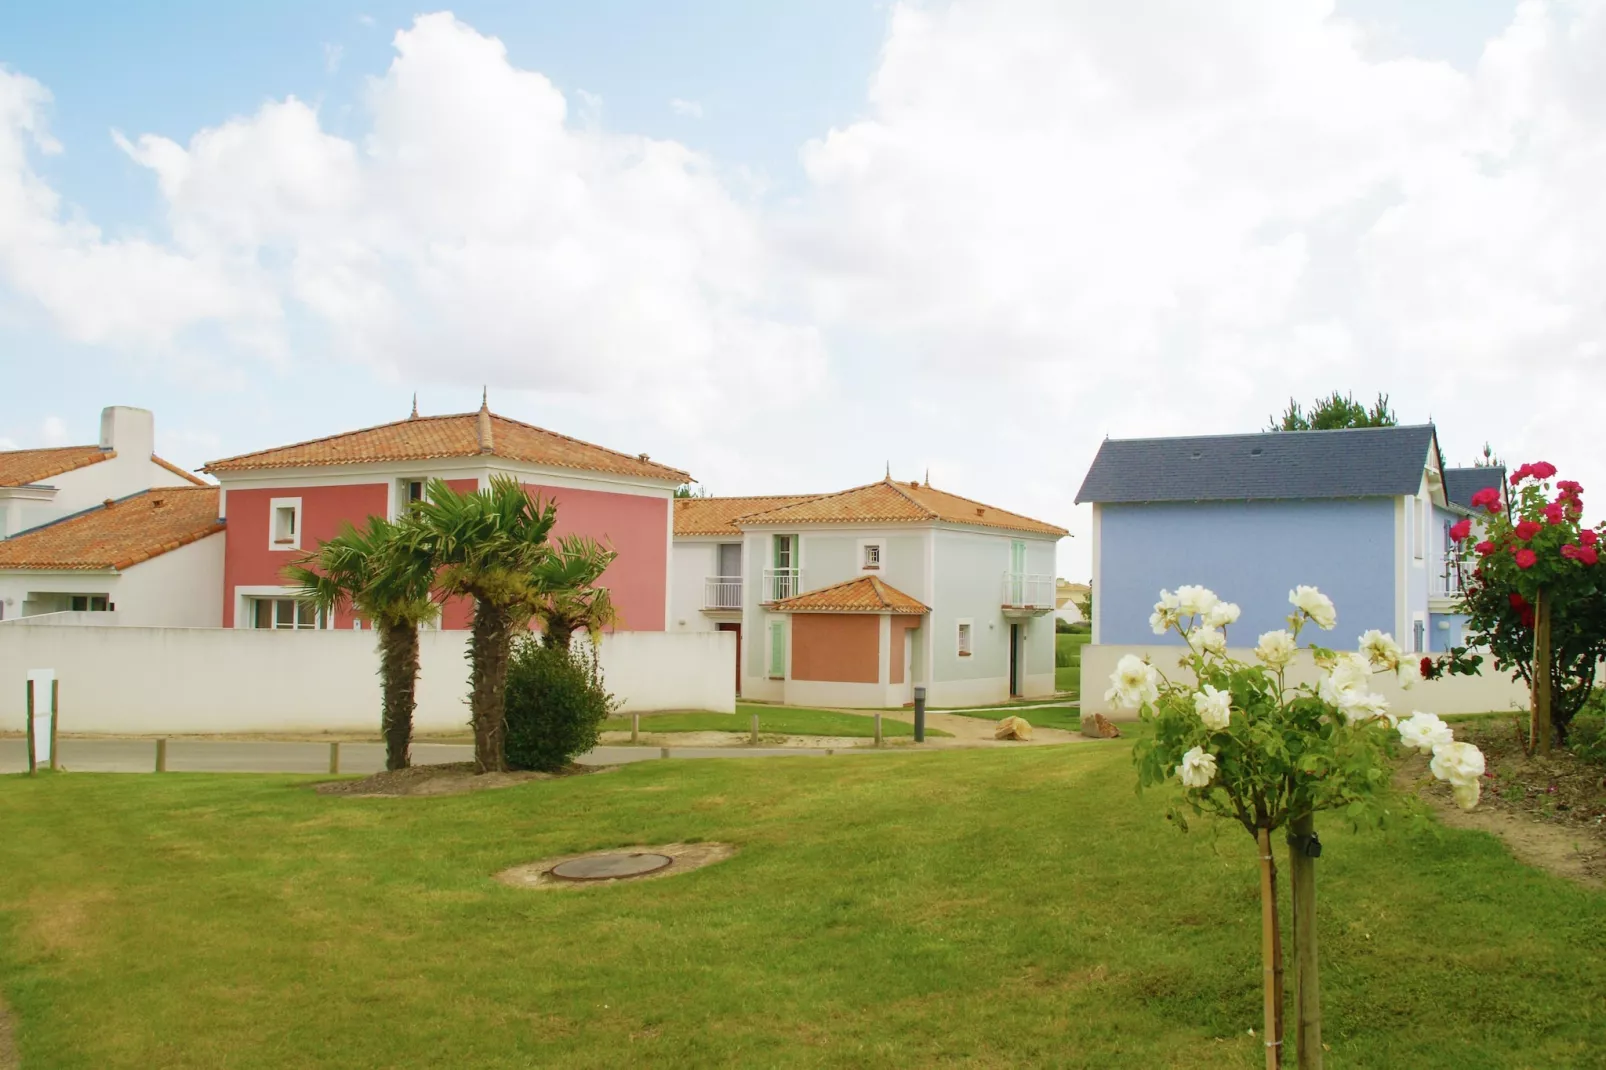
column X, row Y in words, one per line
column 1100, row 727
column 1013, row 728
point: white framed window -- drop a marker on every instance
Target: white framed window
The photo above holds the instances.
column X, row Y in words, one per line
column 284, row 524
column 777, row 650
column 870, row 556
column 285, row 614
column 963, row 638
column 90, row 603
column 1419, row 539
column 1419, row 635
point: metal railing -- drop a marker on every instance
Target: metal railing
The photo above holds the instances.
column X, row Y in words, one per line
column 1024, row 590
column 722, row 592
column 1445, row 579
column 781, row 583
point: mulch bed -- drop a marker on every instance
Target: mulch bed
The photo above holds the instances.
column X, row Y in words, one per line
column 1561, row 789
column 451, row 778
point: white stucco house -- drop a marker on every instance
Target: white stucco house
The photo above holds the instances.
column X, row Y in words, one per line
column 853, row 598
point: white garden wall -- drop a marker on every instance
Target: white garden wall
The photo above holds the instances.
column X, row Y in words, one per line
column 1493, row 691
column 215, row 680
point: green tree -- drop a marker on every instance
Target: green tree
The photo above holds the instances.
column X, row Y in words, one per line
column 364, row 569
column 1334, row 412
column 488, row 545
column 567, row 597
column 691, row 490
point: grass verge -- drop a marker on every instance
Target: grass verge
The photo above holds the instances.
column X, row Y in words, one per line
column 772, row 720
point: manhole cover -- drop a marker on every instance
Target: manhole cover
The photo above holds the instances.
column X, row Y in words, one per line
column 610, row 867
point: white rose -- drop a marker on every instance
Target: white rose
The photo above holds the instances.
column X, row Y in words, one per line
column 1205, row 640
column 1198, row 769
column 1466, row 795
column 1222, row 614
column 1213, row 707
column 1424, row 731
column 1358, row 704
column 1164, row 617
column 1459, row 763
column 1193, row 599
column 1348, row 674
column 1276, row 649
column 1380, row 649
column 1315, row 605
column 1134, row 683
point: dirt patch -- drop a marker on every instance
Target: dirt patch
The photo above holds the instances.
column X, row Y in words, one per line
column 742, row 739
column 451, row 778
column 687, row 857
column 1550, row 812
column 9, row 1059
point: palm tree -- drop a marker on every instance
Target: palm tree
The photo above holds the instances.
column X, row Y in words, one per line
column 363, row 569
column 568, row 599
column 487, row 545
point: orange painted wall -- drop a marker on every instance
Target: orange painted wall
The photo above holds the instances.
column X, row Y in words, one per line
column 840, row 647
column 900, row 625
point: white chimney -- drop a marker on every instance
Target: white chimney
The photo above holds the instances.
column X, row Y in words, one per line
column 129, row 431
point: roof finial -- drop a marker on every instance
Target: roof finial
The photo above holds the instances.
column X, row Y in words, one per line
column 485, row 398
column 482, row 426
column 414, row 416
column 928, row 475
column 889, row 469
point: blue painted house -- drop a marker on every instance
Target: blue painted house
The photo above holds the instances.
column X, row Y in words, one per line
column 1363, row 514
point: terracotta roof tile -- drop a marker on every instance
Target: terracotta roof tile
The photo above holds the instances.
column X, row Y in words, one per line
column 714, row 516
column 177, row 471
column 889, row 502
column 118, row 535
column 426, row 438
column 867, row 594
column 18, row 468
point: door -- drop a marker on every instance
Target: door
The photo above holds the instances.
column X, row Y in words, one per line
column 785, row 563
column 728, row 588
column 1014, row 660
column 1017, row 573
column 909, row 664
column 737, row 628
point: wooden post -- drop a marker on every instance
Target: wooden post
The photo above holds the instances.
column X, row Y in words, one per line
column 1307, row 990
column 878, row 730
column 753, row 737
column 161, row 755
column 55, row 693
column 32, row 764
column 1539, row 731
column 635, row 728
column 663, row 752
column 1271, row 952
column 334, row 756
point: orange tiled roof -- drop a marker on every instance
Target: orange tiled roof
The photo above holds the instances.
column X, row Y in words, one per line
column 890, row 502
column 118, row 535
column 425, row 438
column 18, row 468
column 867, row 594
column 716, row 516
column 177, row 471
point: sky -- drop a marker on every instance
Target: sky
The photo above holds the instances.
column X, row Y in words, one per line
column 791, row 247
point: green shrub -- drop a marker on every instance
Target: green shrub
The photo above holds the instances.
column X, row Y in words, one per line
column 1061, row 626
column 1062, row 657
column 555, row 706
column 1586, row 737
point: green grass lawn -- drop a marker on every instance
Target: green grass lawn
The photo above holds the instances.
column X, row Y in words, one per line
column 987, row 908
column 1068, row 645
column 772, row 720
column 1066, row 717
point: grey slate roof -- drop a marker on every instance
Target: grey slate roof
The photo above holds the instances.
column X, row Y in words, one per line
column 1352, row 463
column 1460, row 484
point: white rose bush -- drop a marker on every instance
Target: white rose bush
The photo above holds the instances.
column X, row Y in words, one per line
column 1247, row 744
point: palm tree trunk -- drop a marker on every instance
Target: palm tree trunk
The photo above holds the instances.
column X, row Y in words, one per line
column 556, row 632
column 490, row 647
column 398, row 674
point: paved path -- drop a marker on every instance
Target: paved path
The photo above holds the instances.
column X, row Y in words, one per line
column 257, row 756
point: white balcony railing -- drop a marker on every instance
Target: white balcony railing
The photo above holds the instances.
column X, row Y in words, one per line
column 1444, row 579
column 781, row 583
column 722, row 592
column 1025, row 591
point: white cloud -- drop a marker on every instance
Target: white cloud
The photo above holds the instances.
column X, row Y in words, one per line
column 331, row 57
column 53, row 432
column 686, row 107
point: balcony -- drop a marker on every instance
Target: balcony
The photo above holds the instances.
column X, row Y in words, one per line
column 722, row 594
column 780, row 583
column 1445, row 580
column 1027, row 595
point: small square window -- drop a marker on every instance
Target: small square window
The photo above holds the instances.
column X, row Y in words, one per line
column 964, row 639
column 872, row 555
column 284, row 524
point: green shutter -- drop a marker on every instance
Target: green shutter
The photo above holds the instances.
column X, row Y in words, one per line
column 777, row 649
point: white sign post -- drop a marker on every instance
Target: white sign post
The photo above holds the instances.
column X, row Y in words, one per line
column 41, row 719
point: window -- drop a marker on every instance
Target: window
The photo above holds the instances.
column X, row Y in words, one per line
column 1419, row 539
column 284, row 524
column 286, row 614
column 90, row 603
column 777, row 650
column 409, row 492
column 964, row 638
column 1418, row 636
column 872, row 555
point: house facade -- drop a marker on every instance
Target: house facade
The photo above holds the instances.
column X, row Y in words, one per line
column 852, row 599
column 282, row 502
column 1363, row 514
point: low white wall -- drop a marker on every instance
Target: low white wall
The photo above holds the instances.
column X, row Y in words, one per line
column 216, row 680
column 1454, row 694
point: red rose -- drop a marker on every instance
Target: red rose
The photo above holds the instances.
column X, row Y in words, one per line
column 1528, row 617
column 1587, row 537
column 1527, row 529
column 1555, row 514
column 1518, row 601
column 1570, row 488
column 1526, row 558
column 1521, row 474
column 1485, row 548
column 1461, row 529
column 1569, row 551
column 1426, row 668
column 1588, row 555
column 1487, row 498
column 1543, row 469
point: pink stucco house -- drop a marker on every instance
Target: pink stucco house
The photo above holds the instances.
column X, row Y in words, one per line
column 279, row 503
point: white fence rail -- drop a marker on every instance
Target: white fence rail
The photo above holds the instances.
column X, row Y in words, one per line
column 722, row 592
column 154, row 680
column 1444, row 579
column 781, row 583
column 1026, row 591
